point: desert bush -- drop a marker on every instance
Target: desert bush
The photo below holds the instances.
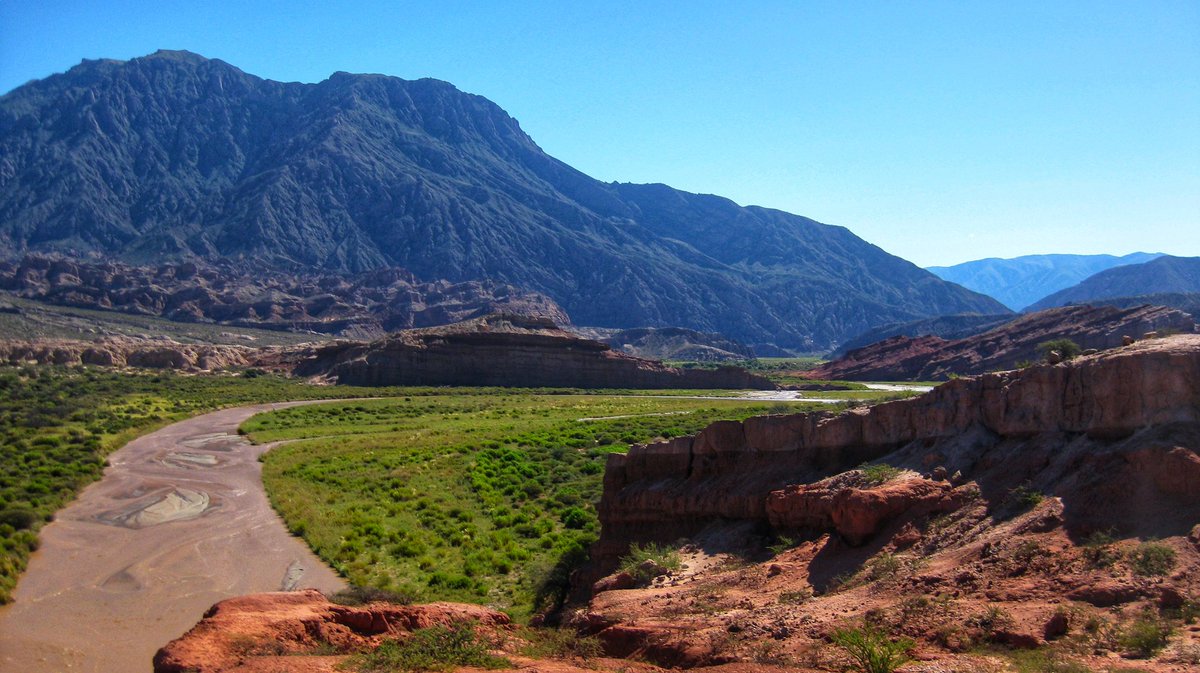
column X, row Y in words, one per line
column 1065, row 347
column 884, row 566
column 878, row 474
column 872, row 650
column 559, row 643
column 360, row 595
column 645, row 561
column 1145, row 637
column 795, row 597
column 436, row 648
column 1152, row 559
column 1098, row 551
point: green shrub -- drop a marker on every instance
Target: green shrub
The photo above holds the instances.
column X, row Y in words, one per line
column 559, row 643
column 662, row 557
column 872, row 650
column 1152, row 559
column 1024, row 498
column 437, row 648
column 1097, row 550
column 884, row 566
column 1066, row 348
column 878, row 473
column 19, row 519
column 359, row 595
column 1145, row 637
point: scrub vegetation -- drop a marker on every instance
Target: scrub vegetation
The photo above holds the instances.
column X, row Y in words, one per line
column 477, row 495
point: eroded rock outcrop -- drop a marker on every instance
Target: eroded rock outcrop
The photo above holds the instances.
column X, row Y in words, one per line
column 302, row 622
column 365, row 305
column 1100, row 432
column 128, row 352
column 927, row 358
column 505, row 350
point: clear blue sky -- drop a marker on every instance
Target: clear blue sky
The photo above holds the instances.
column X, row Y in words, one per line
column 941, row 132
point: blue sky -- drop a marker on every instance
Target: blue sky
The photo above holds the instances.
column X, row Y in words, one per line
column 941, row 132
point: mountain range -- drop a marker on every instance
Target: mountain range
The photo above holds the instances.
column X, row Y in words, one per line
column 1156, row 281
column 1020, row 281
column 175, row 157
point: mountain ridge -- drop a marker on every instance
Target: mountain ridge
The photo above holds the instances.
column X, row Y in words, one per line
column 174, row 156
column 1018, row 282
column 1163, row 275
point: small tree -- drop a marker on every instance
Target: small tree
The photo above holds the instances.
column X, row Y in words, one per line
column 1065, row 348
column 872, row 649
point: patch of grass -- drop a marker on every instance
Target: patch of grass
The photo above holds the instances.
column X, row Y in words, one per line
column 1152, row 559
column 476, row 495
column 877, row 474
column 872, row 650
column 559, row 643
column 358, row 595
column 1042, row 660
column 436, row 648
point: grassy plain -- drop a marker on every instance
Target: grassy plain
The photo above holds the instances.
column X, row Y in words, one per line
column 57, row 424
column 479, row 495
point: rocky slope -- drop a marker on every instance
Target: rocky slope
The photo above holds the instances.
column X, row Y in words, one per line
column 1164, row 275
column 1020, row 281
column 366, row 305
column 928, row 358
column 174, row 156
column 1015, row 516
column 496, row 350
column 671, row 343
column 509, row 351
column 142, row 353
column 949, row 327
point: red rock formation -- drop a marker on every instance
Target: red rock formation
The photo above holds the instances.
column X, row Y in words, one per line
column 929, row 358
column 1132, row 413
column 301, row 622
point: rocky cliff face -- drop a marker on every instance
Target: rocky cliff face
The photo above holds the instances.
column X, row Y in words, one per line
column 927, row 358
column 365, row 305
column 1057, row 428
column 505, row 351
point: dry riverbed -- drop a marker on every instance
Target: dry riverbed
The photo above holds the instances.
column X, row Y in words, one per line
column 179, row 522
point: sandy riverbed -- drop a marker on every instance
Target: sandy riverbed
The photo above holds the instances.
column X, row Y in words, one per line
column 178, row 522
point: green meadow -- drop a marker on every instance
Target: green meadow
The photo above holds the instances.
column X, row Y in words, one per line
column 479, row 495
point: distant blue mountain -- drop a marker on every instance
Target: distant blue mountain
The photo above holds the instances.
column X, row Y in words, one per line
column 1157, row 279
column 1020, row 281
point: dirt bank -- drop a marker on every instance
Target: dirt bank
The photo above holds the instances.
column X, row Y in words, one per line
column 178, row 522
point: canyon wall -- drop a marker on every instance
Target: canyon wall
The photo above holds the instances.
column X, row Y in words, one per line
column 1136, row 409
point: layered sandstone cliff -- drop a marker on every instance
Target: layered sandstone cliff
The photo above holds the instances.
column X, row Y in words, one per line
column 1116, row 435
column 506, row 350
